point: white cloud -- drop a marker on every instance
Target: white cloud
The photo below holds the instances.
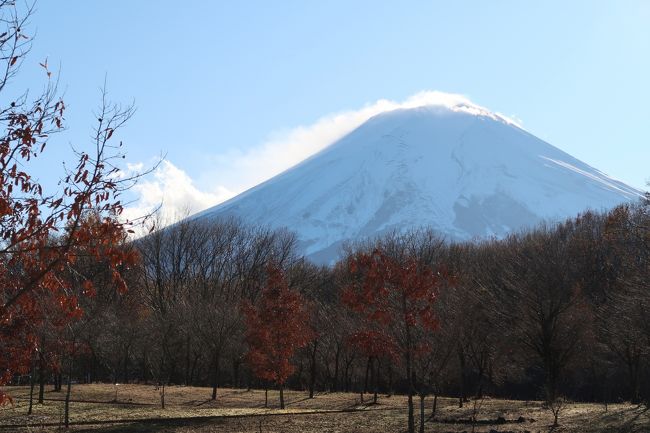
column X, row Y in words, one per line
column 235, row 171
column 171, row 189
column 239, row 170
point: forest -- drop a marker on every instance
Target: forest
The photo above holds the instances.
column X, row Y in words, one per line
column 555, row 314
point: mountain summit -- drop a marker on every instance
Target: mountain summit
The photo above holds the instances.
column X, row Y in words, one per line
column 461, row 170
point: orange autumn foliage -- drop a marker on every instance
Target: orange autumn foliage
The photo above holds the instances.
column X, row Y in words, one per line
column 44, row 233
column 393, row 299
column 277, row 326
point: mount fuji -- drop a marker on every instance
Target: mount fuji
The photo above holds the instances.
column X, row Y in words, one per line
column 459, row 169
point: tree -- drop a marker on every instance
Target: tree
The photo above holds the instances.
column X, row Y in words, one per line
column 44, row 233
column 193, row 277
column 548, row 306
column 373, row 344
column 399, row 297
column 277, row 326
column 627, row 235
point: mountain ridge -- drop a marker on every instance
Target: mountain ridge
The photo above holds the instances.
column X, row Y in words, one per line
column 462, row 170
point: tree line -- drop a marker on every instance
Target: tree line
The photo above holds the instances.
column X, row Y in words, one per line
column 555, row 313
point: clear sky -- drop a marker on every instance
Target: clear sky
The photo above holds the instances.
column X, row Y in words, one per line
column 219, row 85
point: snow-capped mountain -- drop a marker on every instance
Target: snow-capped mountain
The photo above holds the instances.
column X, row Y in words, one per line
column 462, row 170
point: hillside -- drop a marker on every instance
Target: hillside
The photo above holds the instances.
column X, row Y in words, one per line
column 461, row 170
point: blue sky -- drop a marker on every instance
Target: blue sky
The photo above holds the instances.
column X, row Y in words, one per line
column 215, row 82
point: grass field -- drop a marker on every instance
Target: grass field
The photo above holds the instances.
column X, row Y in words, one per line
column 94, row 408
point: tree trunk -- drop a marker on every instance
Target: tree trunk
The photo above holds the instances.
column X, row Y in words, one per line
column 67, row 395
column 144, row 367
column 266, row 396
column 435, row 406
column 374, row 381
column 312, row 377
column 481, row 373
column 125, row 367
column 41, row 378
column 58, row 382
column 461, row 364
column 422, row 396
column 172, row 371
column 188, row 362
column 409, row 369
column 335, row 379
column 235, row 372
column 162, row 396
column 633, row 372
column 365, row 380
column 411, row 419
column 32, row 380
column 551, row 384
column 215, row 375
column 346, row 377
column 193, row 369
column 299, row 374
column 93, row 367
column 281, row 396
column 41, row 388
column 409, row 375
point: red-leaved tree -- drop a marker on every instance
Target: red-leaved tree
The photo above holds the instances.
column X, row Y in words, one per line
column 277, row 326
column 396, row 299
column 44, row 233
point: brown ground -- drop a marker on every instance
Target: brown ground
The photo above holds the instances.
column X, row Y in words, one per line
column 189, row 409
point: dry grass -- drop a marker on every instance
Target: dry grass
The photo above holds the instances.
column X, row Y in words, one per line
column 190, row 409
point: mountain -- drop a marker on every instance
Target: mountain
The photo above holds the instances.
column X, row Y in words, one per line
column 462, row 170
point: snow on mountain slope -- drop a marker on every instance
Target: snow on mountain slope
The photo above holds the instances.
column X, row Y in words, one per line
column 460, row 169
